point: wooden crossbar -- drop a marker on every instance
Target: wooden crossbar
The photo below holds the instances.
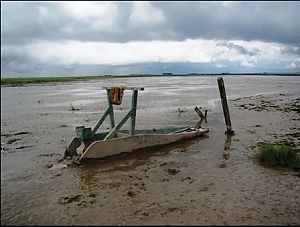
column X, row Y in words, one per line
column 127, row 88
column 117, row 127
column 110, row 112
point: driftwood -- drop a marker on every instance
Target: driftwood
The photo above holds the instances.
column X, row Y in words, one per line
column 203, row 117
column 72, row 108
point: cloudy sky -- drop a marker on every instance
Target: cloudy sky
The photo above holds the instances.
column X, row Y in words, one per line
column 93, row 38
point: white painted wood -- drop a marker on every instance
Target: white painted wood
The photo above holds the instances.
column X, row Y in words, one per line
column 114, row 146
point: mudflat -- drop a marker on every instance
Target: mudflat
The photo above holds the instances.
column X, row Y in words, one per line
column 212, row 180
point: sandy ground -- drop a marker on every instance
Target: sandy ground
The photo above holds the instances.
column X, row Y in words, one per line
column 215, row 180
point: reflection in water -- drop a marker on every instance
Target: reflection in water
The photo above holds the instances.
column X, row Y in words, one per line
column 227, row 143
column 128, row 161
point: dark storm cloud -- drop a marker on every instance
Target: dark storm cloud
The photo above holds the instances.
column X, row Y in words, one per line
column 20, row 23
column 23, row 22
column 16, row 60
column 267, row 21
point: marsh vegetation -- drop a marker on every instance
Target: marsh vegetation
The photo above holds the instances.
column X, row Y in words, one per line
column 279, row 155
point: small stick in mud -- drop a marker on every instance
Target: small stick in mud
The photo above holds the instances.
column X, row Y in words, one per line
column 225, row 106
column 72, row 108
column 180, row 111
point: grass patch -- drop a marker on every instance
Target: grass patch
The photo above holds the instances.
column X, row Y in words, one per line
column 19, row 81
column 279, row 155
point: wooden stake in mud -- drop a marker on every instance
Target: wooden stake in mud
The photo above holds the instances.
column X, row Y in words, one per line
column 201, row 115
column 225, row 106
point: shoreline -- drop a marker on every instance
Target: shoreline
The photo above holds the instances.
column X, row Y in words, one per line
column 31, row 81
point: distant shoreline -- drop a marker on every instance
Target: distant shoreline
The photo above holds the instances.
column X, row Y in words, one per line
column 21, row 81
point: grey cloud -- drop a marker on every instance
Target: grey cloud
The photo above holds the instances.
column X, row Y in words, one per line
column 292, row 50
column 17, row 62
column 240, row 49
column 22, row 23
column 267, row 21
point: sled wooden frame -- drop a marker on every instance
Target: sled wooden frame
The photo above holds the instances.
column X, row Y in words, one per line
column 110, row 112
column 116, row 141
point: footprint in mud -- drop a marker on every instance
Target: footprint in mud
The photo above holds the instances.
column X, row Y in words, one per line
column 71, row 199
column 131, row 194
column 173, row 171
column 6, row 135
column 12, row 141
column 47, row 155
column 22, row 133
column 189, row 179
column 78, row 199
column 23, row 147
column 172, row 209
column 93, row 195
column 172, row 167
column 226, row 155
column 140, row 185
column 57, row 167
column 222, row 164
column 19, row 148
column 205, row 187
column 4, row 148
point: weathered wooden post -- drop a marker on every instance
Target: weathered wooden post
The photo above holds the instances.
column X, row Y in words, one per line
column 111, row 109
column 225, row 106
column 133, row 107
column 201, row 115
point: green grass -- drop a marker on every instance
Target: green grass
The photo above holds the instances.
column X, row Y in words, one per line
column 279, row 155
column 30, row 80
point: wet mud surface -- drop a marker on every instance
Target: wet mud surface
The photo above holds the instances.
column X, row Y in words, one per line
column 208, row 180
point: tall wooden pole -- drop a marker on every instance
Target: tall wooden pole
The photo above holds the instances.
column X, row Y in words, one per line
column 133, row 107
column 225, row 106
column 111, row 110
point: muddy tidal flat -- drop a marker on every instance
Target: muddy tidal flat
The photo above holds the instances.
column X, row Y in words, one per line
column 212, row 180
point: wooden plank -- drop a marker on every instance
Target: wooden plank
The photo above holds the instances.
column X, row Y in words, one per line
column 201, row 115
column 126, row 88
column 100, row 149
column 181, row 130
column 133, row 108
column 117, row 127
column 100, row 121
column 111, row 110
column 71, row 149
column 198, row 111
